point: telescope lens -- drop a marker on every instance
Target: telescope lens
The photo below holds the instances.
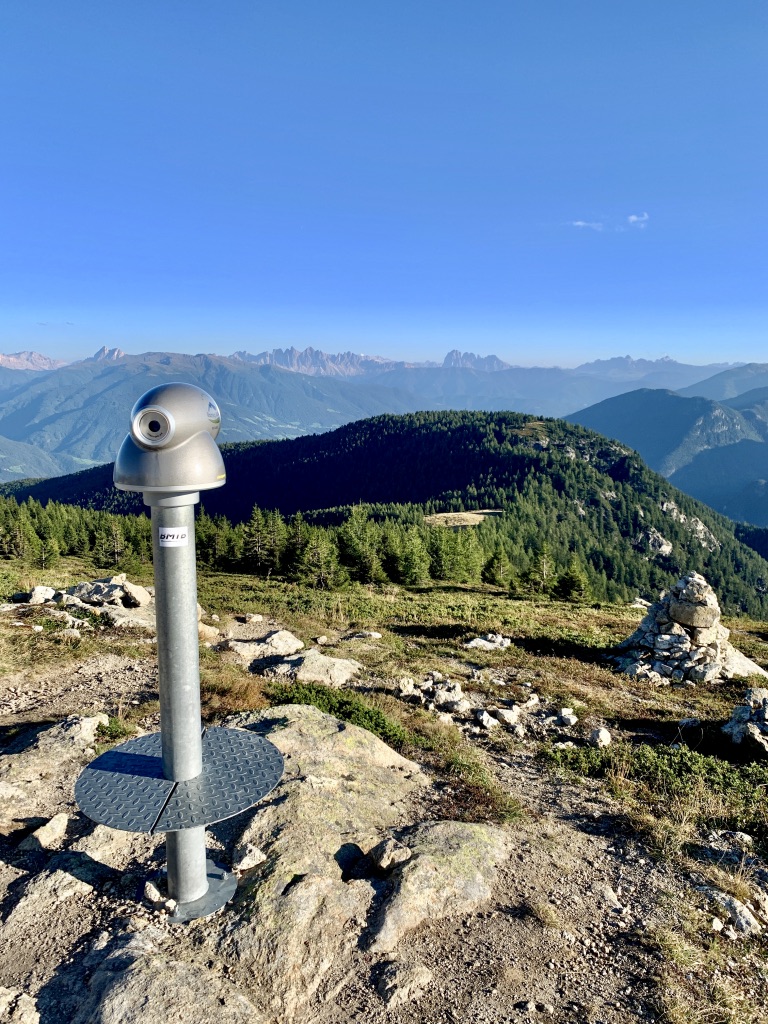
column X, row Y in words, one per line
column 153, row 428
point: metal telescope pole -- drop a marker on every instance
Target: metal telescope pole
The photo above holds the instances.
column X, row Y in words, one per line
column 181, row 779
column 173, row 547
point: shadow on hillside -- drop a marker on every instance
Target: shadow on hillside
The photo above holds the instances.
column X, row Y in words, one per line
column 451, row 588
column 16, row 736
column 561, row 647
column 450, row 631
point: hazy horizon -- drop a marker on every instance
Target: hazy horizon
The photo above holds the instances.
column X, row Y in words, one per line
column 437, row 361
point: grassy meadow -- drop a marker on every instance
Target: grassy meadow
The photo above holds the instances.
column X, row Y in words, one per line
column 674, row 787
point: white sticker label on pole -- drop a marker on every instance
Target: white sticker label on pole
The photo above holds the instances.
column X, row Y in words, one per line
column 174, row 536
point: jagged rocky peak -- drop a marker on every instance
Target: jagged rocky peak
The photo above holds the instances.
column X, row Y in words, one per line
column 108, row 354
column 470, row 361
column 313, row 361
column 681, row 640
column 30, row 361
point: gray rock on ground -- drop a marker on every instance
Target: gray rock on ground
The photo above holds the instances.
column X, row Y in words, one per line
column 313, row 667
column 342, row 790
column 749, row 722
column 254, row 654
column 48, row 836
column 139, row 982
column 17, row 1008
column 326, row 834
column 43, row 774
column 489, row 642
column 451, row 871
column 744, row 921
column 401, row 983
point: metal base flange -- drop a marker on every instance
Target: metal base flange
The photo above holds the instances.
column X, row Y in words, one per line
column 222, row 886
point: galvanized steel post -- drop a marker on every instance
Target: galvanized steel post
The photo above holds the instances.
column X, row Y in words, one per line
column 182, row 778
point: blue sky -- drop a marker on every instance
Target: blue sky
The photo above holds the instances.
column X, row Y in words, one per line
column 550, row 182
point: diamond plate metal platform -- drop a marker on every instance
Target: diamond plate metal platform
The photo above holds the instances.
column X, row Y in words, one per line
column 125, row 787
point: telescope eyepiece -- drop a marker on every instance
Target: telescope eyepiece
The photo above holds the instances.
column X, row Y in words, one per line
column 153, row 427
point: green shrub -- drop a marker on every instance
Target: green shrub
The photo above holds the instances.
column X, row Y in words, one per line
column 655, row 775
column 116, row 729
column 349, row 707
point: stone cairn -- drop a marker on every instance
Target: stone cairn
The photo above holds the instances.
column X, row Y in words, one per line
column 681, row 640
column 749, row 722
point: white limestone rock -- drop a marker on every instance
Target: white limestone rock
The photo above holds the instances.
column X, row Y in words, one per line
column 600, row 737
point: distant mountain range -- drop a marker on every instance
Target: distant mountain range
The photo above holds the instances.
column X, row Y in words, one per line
column 715, row 450
column 554, row 481
column 29, row 361
column 76, row 414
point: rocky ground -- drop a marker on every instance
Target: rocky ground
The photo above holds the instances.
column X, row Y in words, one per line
column 361, row 896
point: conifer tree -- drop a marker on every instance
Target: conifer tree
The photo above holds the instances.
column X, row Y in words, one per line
column 572, row 584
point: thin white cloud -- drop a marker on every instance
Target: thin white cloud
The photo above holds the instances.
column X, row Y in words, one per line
column 635, row 221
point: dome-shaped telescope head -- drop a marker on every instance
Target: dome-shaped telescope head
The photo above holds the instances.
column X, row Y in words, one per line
column 171, row 448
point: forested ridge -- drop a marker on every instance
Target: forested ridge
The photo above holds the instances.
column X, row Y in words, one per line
column 579, row 516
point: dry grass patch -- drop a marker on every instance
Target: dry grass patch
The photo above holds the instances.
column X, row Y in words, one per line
column 452, row 520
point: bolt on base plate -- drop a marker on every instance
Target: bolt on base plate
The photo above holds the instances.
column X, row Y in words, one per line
column 222, row 886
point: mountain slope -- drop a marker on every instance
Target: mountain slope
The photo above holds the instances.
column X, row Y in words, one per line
column 730, row 383
column 733, row 480
column 555, row 482
column 81, row 411
column 667, row 429
column 19, row 460
column 77, row 414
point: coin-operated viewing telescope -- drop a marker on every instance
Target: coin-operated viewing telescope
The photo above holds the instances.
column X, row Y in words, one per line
column 171, row 447
column 185, row 777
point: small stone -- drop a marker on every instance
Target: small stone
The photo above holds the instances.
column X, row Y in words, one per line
column 566, row 717
column 206, row 632
column 717, row 924
column 152, row 894
column 486, row 720
column 402, row 983
column 246, row 857
column 135, row 596
column 743, row 919
column 37, row 628
column 508, row 716
column 321, row 641
column 253, row 617
column 48, row 836
column 599, row 738
column 389, row 853
column 215, row 618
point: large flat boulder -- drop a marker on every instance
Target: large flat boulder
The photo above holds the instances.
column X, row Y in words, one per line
column 140, row 982
column 313, row 667
column 451, row 871
column 300, row 912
